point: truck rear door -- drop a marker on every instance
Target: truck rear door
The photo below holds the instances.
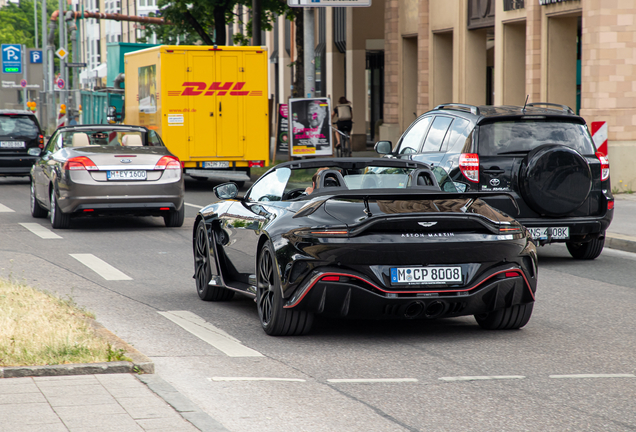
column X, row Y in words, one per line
column 230, row 127
column 203, row 115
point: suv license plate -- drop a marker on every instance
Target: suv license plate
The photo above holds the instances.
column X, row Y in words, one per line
column 426, row 275
column 12, row 144
column 216, row 164
column 558, row 233
column 127, row 175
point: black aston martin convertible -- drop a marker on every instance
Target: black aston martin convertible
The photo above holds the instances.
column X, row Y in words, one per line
column 363, row 238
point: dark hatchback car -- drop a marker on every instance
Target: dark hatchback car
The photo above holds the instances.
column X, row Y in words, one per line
column 21, row 141
column 541, row 153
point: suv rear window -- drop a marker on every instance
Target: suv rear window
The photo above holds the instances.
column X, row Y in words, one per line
column 18, row 126
column 523, row 136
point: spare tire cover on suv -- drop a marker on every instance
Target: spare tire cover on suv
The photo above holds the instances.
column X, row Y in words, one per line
column 555, row 180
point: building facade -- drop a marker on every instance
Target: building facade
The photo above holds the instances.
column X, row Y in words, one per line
column 579, row 53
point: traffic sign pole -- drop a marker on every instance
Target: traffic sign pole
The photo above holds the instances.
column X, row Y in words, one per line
column 24, row 77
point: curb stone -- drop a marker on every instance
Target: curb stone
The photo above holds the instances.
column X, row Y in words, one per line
column 139, row 364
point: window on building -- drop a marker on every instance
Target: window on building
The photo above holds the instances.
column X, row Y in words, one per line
column 142, row 3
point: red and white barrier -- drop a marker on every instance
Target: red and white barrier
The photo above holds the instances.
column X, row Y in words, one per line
column 599, row 136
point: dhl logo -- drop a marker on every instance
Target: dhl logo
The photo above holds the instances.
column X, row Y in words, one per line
column 218, row 88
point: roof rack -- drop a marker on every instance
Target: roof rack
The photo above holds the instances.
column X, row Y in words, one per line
column 470, row 108
column 565, row 108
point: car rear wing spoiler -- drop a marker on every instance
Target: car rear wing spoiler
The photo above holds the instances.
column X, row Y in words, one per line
column 403, row 194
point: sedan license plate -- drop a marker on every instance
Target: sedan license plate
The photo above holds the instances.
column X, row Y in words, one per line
column 426, row 275
column 12, row 144
column 216, row 164
column 558, row 233
column 126, row 175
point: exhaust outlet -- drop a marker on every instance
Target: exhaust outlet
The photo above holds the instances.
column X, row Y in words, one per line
column 413, row 309
column 434, row 309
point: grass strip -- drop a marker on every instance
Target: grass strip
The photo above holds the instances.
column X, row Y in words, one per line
column 38, row 328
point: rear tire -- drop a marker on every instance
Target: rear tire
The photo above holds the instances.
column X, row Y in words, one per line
column 276, row 320
column 510, row 318
column 203, row 269
column 37, row 211
column 174, row 219
column 59, row 219
column 586, row 251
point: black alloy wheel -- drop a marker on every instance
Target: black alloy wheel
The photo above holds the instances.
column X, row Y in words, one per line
column 59, row 219
column 276, row 320
column 510, row 318
column 37, row 211
column 586, row 251
column 174, row 218
column 203, row 270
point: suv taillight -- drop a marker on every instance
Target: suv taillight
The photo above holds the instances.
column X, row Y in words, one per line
column 168, row 162
column 604, row 166
column 469, row 166
column 79, row 163
column 41, row 141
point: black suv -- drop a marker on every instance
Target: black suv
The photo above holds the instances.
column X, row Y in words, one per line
column 21, row 141
column 542, row 154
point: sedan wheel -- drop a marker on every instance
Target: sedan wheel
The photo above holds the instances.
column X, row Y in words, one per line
column 37, row 211
column 59, row 219
column 275, row 320
column 174, row 219
column 203, row 271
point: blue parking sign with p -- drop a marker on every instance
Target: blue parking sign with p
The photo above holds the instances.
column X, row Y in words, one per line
column 36, row 56
column 11, row 58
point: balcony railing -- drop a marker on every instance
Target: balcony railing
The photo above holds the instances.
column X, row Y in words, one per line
column 513, row 5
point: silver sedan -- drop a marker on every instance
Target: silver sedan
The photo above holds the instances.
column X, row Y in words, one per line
column 106, row 170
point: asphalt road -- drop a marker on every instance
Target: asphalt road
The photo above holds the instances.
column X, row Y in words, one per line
column 572, row 367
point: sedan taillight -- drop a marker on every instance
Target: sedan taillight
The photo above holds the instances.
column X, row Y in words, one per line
column 604, row 166
column 469, row 166
column 80, row 163
column 168, row 162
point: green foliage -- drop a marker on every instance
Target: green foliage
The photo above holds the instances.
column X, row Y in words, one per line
column 205, row 11
column 17, row 23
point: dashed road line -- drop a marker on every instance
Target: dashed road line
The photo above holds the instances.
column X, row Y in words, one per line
column 373, row 380
column 40, row 231
column 193, row 205
column 482, row 378
column 575, row 376
column 210, row 334
column 256, row 379
column 101, row 267
column 5, row 209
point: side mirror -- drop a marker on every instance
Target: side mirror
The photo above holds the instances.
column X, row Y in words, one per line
column 226, row 191
column 384, row 147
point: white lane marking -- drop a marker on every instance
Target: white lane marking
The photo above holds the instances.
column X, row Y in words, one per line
column 100, row 267
column 373, row 380
column 5, row 209
column 40, row 231
column 210, row 334
column 255, row 379
column 193, row 205
column 482, row 378
column 594, row 376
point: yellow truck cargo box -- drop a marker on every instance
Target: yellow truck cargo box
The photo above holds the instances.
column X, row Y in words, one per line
column 209, row 104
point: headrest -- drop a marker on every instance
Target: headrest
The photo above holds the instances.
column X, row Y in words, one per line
column 80, row 139
column 132, row 141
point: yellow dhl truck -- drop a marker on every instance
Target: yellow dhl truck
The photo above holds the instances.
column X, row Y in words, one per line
column 209, row 104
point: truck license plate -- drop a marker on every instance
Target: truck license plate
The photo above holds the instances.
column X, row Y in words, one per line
column 216, row 164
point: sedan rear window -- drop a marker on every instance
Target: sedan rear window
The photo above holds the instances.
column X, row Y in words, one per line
column 523, row 136
column 18, row 126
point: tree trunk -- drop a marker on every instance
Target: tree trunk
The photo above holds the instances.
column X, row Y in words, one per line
column 197, row 27
column 299, row 70
column 219, row 25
